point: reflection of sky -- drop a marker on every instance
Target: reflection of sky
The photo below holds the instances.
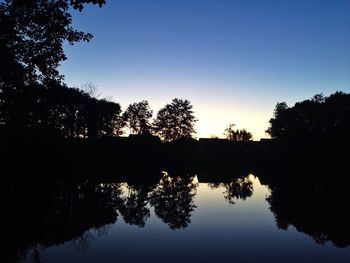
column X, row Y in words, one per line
column 232, row 59
column 243, row 232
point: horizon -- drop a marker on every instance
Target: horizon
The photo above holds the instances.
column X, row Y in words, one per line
column 233, row 61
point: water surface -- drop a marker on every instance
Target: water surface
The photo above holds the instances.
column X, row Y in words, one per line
column 179, row 219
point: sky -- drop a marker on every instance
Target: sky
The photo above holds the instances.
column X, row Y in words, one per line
column 234, row 60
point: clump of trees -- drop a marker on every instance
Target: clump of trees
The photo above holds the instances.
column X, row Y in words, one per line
column 56, row 110
column 174, row 121
column 318, row 117
column 237, row 135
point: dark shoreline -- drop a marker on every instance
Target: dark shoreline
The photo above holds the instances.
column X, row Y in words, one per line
column 139, row 156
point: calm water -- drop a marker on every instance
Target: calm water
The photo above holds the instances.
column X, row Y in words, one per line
column 178, row 220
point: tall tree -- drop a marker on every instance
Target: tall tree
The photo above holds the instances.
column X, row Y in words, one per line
column 176, row 120
column 138, row 117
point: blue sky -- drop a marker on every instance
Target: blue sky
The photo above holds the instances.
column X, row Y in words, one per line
column 234, row 60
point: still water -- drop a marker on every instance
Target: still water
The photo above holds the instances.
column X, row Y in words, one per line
column 181, row 220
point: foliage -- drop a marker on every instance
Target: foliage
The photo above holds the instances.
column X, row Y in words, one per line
column 237, row 135
column 32, row 34
column 319, row 117
column 138, row 116
column 176, row 120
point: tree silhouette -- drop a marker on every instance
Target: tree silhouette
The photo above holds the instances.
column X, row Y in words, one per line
column 57, row 110
column 277, row 123
column 32, row 34
column 138, row 116
column 176, row 120
column 237, row 135
column 103, row 118
column 319, row 117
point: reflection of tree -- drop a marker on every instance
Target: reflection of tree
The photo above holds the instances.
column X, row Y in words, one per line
column 237, row 188
column 317, row 209
column 54, row 214
column 173, row 200
column 134, row 206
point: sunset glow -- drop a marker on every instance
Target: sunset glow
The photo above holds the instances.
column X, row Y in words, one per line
column 233, row 60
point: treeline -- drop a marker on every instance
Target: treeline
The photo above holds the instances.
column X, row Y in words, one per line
column 317, row 118
column 54, row 109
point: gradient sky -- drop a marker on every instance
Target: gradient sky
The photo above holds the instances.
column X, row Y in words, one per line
column 234, row 60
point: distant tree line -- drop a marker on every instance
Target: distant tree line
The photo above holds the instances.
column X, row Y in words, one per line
column 320, row 117
column 57, row 110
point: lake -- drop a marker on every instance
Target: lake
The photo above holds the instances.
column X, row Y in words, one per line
column 173, row 219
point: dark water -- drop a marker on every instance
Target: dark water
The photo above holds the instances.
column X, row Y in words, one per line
column 174, row 219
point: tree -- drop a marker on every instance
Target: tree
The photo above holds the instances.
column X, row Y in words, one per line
column 237, row 135
column 277, row 123
column 176, row 120
column 138, row 116
column 32, row 34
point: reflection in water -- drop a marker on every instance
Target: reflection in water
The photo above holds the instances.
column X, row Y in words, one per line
column 318, row 209
column 237, row 188
column 173, row 200
column 52, row 214
column 133, row 207
column 83, row 214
